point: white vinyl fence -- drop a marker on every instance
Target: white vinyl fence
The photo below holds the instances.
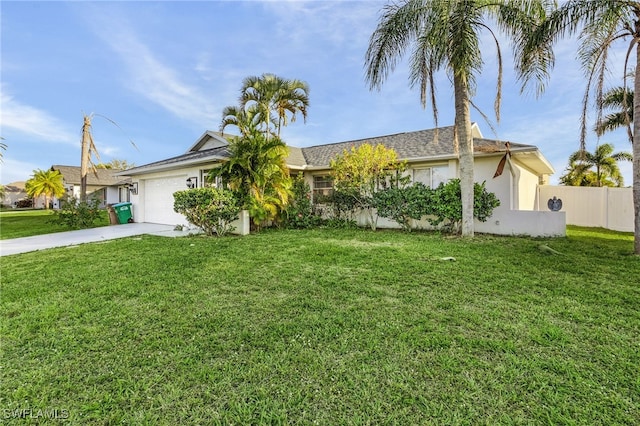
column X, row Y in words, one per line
column 610, row 208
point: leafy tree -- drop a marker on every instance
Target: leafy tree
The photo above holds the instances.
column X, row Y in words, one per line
column 47, row 183
column 116, row 164
column 600, row 25
column 582, row 164
column 445, row 35
column 2, row 192
column 362, row 171
column 274, row 97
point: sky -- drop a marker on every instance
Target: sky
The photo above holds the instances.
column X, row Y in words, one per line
column 164, row 70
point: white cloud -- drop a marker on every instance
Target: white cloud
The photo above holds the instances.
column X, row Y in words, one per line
column 153, row 79
column 33, row 121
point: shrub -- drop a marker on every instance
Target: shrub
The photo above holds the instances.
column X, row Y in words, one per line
column 446, row 204
column 210, row 209
column 299, row 213
column 403, row 204
column 76, row 214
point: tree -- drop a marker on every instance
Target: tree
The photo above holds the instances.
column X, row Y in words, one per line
column 116, row 164
column 256, row 169
column 445, row 35
column 600, row 25
column 362, row 171
column 273, row 97
column 582, row 163
column 47, row 183
column 620, row 99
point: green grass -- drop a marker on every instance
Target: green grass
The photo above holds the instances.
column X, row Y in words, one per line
column 26, row 223
column 325, row 327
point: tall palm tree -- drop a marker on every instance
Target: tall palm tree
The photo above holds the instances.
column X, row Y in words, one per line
column 273, row 97
column 45, row 182
column 600, row 25
column 620, row 100
column 599, row 168
column 256, row 168
column 445, row 35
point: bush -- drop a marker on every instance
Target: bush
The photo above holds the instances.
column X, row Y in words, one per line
column 446, row 204
column 403, row 204
column 75, row 214
column 300, row 213
column 210, row 209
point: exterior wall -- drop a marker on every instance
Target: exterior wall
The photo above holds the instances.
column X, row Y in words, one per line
column 167, row 216
column 610, row 208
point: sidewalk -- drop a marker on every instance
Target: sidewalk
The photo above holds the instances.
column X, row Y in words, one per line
column 72, row 238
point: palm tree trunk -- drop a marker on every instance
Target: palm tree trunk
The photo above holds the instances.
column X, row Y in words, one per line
column 465, row 141
column 84, row 160
column 636, row 154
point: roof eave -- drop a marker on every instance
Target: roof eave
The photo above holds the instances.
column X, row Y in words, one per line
column 143, row 170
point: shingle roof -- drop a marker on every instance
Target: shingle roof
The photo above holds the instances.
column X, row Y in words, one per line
column 408, row 146
column 415, row 145
column 106, row 177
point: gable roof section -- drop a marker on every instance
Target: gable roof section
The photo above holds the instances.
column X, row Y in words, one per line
column 208, row 140
column 106, row 177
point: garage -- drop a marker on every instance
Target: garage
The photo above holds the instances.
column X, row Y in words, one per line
column 158, row 200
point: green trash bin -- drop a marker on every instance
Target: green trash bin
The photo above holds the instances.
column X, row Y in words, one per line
column 123, row 211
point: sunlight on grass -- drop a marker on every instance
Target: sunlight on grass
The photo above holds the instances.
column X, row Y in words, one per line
column 325, row 326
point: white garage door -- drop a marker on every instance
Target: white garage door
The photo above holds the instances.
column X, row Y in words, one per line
column 158, row 200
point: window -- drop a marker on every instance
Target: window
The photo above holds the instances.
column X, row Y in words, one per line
column 205, row 182
column 431, row 176
column 322, row 188
column 123, row 194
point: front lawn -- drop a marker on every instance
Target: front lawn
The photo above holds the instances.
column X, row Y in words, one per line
column 26, row 223
column 326, row 327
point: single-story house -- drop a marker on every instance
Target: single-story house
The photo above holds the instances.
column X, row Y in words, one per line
column 13, row 193
column 107, row 186
column 430, row 159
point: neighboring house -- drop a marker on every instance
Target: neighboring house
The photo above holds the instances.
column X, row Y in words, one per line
column 14, row 192
column 431, row 160
column 107, row 186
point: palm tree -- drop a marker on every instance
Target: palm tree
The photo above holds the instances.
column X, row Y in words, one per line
column 619, row 99
column 256, row 168
column 582, row 163
column 445, row 35
column 273, row 97
column 47, row 183
column 600, row 25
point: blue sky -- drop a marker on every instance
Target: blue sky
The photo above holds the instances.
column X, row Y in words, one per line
column 163, row 71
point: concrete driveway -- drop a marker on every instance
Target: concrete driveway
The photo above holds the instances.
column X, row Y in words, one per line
column 72, row 238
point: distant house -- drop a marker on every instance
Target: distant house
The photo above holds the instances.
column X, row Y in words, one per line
column 13, row 193
column 107, row 186
column 431, row 160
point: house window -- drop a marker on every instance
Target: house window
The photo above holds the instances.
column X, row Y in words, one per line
column 431, row 176
column 205, row 180
column 322, row 188
column 123, row 194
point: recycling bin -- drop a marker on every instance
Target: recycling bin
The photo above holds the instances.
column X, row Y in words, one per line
column 123, row 211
